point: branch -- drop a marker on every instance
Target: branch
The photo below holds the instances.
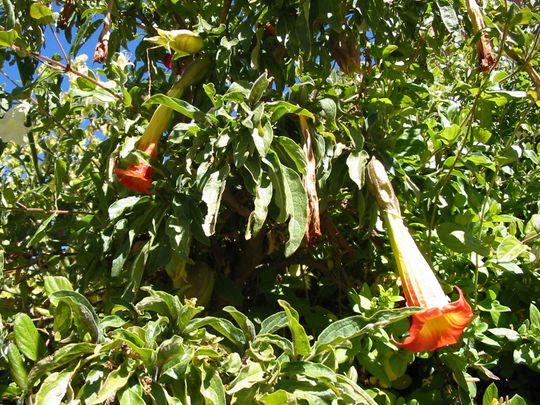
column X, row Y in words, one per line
column 45, row 210
column 65, row 68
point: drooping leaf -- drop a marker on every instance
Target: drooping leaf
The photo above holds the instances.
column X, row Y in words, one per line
column 211, row 195
column 114, row 382
column 223, row 326
column 54, row 388
column 353, row 326
column 243, row 321
column 83, row 312
column 510, row 248
column 16, row 366
column 64, row 355
column 301, row 344
column 459, row 240
column 27, row 337
column 356, row 162
column 176, row 104
column 296, row 206
column 212, row 388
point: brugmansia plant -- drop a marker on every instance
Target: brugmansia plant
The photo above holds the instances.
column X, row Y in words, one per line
column 441, row 323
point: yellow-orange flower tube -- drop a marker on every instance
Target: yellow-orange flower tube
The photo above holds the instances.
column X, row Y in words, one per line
column 138, row 177
column 442, row 322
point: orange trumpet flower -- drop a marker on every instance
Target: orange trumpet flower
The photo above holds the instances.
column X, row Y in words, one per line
column 442, row 322
column 138, row 177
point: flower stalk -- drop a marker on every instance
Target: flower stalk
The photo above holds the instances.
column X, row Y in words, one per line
column 138, row 177
column 442, row 322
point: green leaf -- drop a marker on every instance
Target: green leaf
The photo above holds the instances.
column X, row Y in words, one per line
column 249, row 375
column 39, row 11
column 115, row 381
column 510, row 248
column 54, row 388
column 308, row 369
column 280, row 108
column 223, row 326
column 262, row 138
column 389, row 50
column 356, row 162
column 279, row 397
column 176, row 104
column 259, row 87
column 273, row 323
column 211, row 195
column 263, row 197
column 449, row 17
column 41, row 232
column 491, row 394
column 81, row 309
column 534, row 316
column 353, row 326
column 212, row 388
column 329, row 109
column 161, row 302
column 300, row 339
column 459, row 240
column 7, row 38
column 353, row 391
column 510, row 334
column 517, row 400
column 117, row 208
column 16, row 366
column 449, row 135
column 296, row 206
column 53, row 284
column 136, row 272
column 289, row 151
column 27, row 337
column 130, row 396
column 64, row 355
column 243, row 321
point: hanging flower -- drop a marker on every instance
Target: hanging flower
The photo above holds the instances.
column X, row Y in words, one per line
column 138, row 177
column 442, row 322
column 12, row 128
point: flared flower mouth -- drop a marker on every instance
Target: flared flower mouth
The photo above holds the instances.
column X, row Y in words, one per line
column 138, row 177
column 441, row 323
column 437, row 327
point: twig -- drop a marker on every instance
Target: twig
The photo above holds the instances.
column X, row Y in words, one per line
column 44, row 210
column 530, row 238
column 225, row 11
column 60, row 46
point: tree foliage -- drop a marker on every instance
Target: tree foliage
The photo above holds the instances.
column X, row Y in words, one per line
column 251, row 265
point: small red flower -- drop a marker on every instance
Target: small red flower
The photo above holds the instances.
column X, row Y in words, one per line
column 167, row 61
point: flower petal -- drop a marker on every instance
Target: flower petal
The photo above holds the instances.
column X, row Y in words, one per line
column 136, row 177
column 438, row 327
